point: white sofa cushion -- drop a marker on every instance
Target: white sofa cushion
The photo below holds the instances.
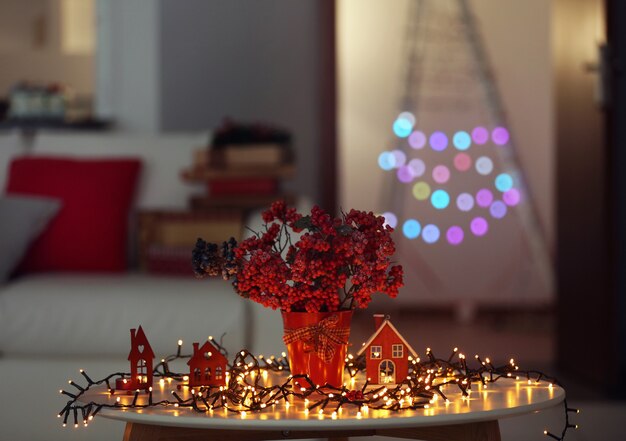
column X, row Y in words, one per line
column 64, row 314
column 163, row 156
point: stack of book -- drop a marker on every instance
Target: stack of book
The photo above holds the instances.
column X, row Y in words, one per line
column 166, row 238
column 244, row 167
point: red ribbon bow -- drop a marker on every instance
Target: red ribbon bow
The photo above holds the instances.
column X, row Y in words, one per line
column 323, row 337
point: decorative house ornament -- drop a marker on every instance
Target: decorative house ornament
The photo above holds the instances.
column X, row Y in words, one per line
column 207, row 365
column 140, row 357
column 387, row 353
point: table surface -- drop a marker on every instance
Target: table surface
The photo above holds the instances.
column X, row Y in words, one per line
column 504, row 398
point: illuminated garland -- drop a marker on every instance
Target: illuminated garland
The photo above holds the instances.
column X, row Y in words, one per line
column 245, row 393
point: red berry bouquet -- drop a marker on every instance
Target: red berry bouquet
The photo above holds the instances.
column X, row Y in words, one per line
column 312, row 264
column 336, row 264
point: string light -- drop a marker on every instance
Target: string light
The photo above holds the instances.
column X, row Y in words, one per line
column 247, row 393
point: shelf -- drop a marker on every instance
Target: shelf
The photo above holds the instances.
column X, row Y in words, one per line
column 202, row 202
column 205, row 174
column 34, row 124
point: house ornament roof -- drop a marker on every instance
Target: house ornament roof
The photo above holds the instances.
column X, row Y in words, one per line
column 387, row 322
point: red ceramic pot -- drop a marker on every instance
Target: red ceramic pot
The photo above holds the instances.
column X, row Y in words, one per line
column 303, row 351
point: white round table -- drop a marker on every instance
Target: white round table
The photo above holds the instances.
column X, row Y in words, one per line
column 475, row 418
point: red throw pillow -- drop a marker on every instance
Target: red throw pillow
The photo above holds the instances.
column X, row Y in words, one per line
column 90, row 231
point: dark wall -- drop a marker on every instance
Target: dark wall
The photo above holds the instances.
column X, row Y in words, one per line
column 582, row 208
column 251, row 60
column 591, row 194
column 615, row 75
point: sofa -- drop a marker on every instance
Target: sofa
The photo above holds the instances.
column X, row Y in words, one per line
column 54, row 323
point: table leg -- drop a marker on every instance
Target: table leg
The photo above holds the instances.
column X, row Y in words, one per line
column 485, row 431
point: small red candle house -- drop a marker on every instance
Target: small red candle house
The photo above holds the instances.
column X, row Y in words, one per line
column 207, row 366
column 140, row 357
column 386, row 353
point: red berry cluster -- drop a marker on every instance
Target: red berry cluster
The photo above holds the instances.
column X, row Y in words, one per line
column 337, row 263
column 355, row 395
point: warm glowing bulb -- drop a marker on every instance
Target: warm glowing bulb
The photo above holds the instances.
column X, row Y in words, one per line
column 180, row 342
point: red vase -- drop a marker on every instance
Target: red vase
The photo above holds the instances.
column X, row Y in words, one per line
column 317, row 344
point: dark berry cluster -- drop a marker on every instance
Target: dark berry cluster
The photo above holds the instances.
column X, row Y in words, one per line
column 337, row 263
column 209, row 259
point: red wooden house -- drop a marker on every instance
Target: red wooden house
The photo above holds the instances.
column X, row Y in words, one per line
column 207, row 366
column 140, row 357
column 386, row 353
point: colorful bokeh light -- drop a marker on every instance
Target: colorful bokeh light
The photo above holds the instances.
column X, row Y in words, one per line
column 390, row 219
column 440, row 199
column 462, row 140
column 438, row 141
column 409, row 169
column 498, row 209
column 465, row 202
column 500, row 136
column 479, row 226
column 512, row 197
column 421, row 191
column 484, row 197
column 417, row 167
column 455, row 235
column 399, row 158
column 480, row 135
column 484, row 165
column 430, row 233
column 504, row 182
column 462, row 162
column 402, row 127
column 417, row 140
column 441, row 174
column 386, row 161
column 411, row 228
column 405, row 174
column 408, row 116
